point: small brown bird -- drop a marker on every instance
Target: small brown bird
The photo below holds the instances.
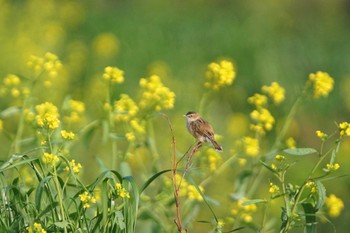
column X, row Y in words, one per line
column 201, row 129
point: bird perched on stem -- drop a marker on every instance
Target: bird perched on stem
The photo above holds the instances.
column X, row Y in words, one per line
column 201, row 129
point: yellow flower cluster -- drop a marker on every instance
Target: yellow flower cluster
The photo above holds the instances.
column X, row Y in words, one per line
column 275, row 92
column 193, row 193
column 311, row 185
column 273, row 189
column 258, row 100
column 261, row 116
column 49, row 63
column 213, row 158
column 243, row 211
column 67, row 135
column 334, row 205
column 251, row 146
column 121, row 191
column 47, row 116
column 219, row 75
column 87, row 199
column 291, row 143
column 50, row 159
column 188, row 190
column 113, row 74
column 322, row 83
column 344, row 128
column 75, row 167
column 12, row 86
column 263, row 119
column 37, row 228
column 280, row 158
column 125, row 108
column 155, row 95
column 321, row 135
column 219, row 225
column 75, row 111
column 332, row 167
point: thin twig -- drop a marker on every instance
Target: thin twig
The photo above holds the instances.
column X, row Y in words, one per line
column 177, row 184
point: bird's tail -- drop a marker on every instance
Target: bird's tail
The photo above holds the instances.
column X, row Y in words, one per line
column 216, row 146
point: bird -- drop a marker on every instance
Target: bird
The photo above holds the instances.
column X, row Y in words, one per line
column 201, row 130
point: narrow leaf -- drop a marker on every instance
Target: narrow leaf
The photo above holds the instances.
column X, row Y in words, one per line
column 310, row 218
column 268, row 166
column 254, row 201
column 152, row 178
column 300, row 151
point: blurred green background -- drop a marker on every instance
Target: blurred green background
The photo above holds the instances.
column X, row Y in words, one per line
column 268, row 41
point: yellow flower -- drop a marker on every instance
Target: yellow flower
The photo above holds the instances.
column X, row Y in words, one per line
column 263, row 118
column 280, row 157
column 37, row 228
column 258, row 100
column 321, row 135
column 75, row 167
column 130, row 136
column 121, row 191
column 106, row 45
column 219, row 75
column 290, row 142
column 334, row 205
column 36, row 63
column 125, row 108
column 138, row 126
column 11, row 80
column 273, row 188
column 50, row 159
column 47, row 115
column 244, row 210
column 273, row 166
column 87, row 199
column 219, row 225
column 312, row 185
column 344, row 129
column 155, row 95
column 67, row 135
column 113, row 74
column 251, row 146
column 52, row 64
column 193, row 193
column 213, row 159
column 322, row 83
column 275, row 91
column 12, row 86
column 332, row 167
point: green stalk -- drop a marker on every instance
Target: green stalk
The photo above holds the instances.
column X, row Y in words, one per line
column 60, row 197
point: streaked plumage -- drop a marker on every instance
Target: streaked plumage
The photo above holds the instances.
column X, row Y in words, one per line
column 201, row 129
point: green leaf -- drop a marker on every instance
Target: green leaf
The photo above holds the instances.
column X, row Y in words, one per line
column 310, row 218
column 190, row 178
column 16, row 160
column 300, row 151
column 254, row 201
column 268, row 167
column 40, row 190
column 150, row 180
column 321, row 195
column 62, row 224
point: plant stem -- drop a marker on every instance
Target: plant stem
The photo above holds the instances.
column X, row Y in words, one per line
column 60, row 198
